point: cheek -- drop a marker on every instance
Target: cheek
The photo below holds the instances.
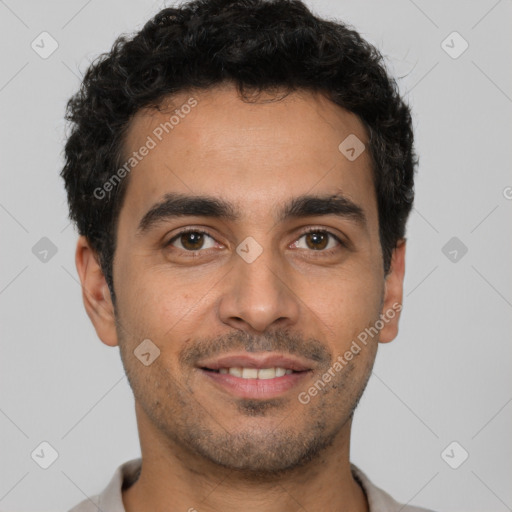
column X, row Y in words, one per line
column 346, row 304
column 165, row 308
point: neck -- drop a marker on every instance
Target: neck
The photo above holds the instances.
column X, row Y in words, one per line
column 187, row 482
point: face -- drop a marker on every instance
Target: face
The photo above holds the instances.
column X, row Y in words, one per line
column 248, row 254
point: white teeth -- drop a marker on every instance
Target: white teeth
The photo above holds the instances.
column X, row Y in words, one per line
column 266, row 373
column 236, row 371
column 250, row 373
column 280, row 372
column 255, row 373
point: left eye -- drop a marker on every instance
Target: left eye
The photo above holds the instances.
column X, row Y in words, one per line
column 317, row 241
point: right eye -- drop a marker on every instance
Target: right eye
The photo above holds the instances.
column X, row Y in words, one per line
column 191, row 240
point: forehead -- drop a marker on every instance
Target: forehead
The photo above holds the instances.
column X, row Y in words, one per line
column 253, row 154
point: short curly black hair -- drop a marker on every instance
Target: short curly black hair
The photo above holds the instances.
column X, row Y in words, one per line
column 259, row 45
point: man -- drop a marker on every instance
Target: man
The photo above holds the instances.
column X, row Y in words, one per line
column 241, row 173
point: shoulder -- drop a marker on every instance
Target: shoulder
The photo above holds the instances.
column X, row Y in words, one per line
column 379, row 500
column 111, row 498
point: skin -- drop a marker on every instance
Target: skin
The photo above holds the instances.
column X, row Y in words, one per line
column 203, row 448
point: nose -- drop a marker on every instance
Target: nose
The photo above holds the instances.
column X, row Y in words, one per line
column 259, row 295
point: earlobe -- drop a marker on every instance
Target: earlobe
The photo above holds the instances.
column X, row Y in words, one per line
column 393, row 294
column 95, row 293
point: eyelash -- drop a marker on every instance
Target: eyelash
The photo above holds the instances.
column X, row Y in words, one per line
column 196, row 254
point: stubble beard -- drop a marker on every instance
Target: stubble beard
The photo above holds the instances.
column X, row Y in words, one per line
column 257, row 453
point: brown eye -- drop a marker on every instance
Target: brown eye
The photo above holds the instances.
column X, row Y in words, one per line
column 317, row 240
column 191, row 241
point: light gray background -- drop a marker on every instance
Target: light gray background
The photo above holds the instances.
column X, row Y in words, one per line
column 447, row 377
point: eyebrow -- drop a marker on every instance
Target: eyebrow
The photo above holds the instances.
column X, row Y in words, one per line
column 175, row 205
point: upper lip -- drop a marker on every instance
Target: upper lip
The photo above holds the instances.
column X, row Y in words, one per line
column 246, row 360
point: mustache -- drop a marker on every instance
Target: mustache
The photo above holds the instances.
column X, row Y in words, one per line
column 276, row 341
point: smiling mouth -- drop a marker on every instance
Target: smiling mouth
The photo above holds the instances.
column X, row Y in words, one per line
column 254, row 373
column 255, row 383
column 255, row 376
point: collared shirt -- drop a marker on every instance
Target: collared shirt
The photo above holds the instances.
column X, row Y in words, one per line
column 110, row 500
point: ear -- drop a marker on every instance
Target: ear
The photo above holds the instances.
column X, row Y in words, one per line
column 393, row 294
column 95, row 293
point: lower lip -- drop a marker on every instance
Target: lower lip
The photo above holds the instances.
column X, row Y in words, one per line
column 256, row 388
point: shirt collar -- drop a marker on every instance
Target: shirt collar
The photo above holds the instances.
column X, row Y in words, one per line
column 126, row 474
